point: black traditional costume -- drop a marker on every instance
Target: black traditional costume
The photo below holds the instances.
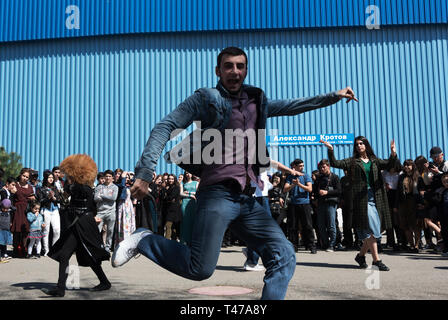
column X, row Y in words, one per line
column 81, row 237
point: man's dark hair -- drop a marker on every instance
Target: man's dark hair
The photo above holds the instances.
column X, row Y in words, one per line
column 55, row 168
column 296, row 162
column 322, row 163
column 109, row 172
column 10, row 180
column 100, row 175
column 233, row 51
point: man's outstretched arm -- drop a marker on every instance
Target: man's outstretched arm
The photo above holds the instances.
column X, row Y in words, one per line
column 290, row 107
column 179, row 118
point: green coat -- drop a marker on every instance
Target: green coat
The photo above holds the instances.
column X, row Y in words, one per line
column 358, row 180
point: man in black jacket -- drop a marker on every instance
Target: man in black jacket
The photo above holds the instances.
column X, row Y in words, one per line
column 327, row 190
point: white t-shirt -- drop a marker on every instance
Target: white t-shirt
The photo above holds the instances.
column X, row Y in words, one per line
column 267, row 185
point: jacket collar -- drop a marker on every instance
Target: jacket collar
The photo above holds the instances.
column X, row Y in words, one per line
column 251, row 90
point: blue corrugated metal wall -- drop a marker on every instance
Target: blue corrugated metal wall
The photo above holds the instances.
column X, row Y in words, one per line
column 102, row 96
column 46, row 19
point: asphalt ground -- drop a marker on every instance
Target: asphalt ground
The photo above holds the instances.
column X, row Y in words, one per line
column 321, row 276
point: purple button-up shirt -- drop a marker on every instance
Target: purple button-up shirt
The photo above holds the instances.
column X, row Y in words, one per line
column 244, row 117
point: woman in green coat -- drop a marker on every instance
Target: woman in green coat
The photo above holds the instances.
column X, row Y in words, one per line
column 371, row 212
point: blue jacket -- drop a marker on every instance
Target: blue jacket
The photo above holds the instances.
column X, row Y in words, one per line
column 213, row 108
column 35, row 222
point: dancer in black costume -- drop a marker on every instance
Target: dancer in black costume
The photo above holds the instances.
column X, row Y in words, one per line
column 82, row 235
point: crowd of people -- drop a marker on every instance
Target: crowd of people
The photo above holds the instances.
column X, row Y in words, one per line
column 306, row 207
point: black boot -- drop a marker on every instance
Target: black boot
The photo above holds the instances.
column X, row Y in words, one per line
column 102, row 286
column 361, row 261
column 104, row 282
column 54, row 292
column 380, row 265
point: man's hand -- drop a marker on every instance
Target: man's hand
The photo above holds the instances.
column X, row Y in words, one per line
column 140, row 189
column 347, row 93
column 327, row 144
column 393, row 148
column 296, row 173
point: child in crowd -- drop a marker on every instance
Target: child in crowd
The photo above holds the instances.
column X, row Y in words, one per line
column 5, row 225
column 35, row 236
column 444, row 213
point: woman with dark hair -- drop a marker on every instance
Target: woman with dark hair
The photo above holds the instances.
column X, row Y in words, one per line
column 20, row 225
column 49, row 198
column 406, row 204
column 371, row 211
column 425, row 201
column 188, row 207
column 171, row 207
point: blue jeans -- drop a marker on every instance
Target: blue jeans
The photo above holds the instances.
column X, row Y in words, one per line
column 252, row 256
column 374, row 219
column 217, row 209
column 326, row 223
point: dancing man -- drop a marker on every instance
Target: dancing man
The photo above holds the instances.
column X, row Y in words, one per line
column 82, row 235
column 224, row 198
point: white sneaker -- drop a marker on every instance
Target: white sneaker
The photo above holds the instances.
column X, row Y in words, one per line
column 127, row 248
column 329, row 250
column 253, row 267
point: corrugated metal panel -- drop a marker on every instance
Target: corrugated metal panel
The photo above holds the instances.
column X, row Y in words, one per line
column 102, row 96
column 46, row 19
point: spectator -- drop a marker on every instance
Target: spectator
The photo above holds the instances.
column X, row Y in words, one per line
column 277, row 200
column 2, row 173
column 438, row 166
column 49, row 197
column 58, row 181
column 426, row 204
column 105, row 196
column 34, row 180
column 300, row 209
column 171, row 206
column 327, row 189
column 370, row 207
column 117, row 175
column 444, row 212
column 20, row 225
column 188, row 207
column 5, row 225
column 146, row 213
column 180, row 179
column 391, row 177
column 406, row 204
column 125, row 211
column 9, row 189
column 156, row 190
column 346, row 204
column 101, row 179
column 36, row 220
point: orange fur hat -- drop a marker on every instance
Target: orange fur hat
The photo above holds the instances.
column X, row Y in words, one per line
column 80, row 168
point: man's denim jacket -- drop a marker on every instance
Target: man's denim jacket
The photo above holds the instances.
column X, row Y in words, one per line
column 213, row 108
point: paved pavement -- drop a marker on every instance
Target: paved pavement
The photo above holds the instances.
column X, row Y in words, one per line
column 325, row 275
